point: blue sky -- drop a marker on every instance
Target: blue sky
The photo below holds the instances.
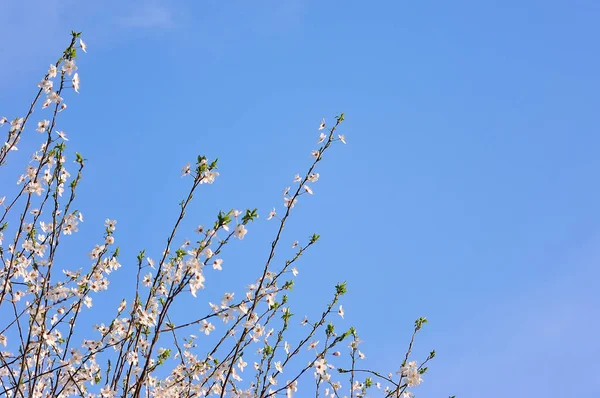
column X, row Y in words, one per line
column 467, row 192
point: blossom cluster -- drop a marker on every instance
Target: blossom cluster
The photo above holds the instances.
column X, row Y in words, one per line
column 240, row 347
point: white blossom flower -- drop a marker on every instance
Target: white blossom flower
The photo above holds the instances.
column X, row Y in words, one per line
column 278, row 367
column 95, row 251
column 197, row 282
column 87, row 301
column 257, row 332
column 411, row 372
column 186, row 170
column 270, row 299
column 35, row 187
column 52, row 71
column 272, row 214
column 110, row 224
column 76, row 82
column 322, row 125
column 320, row 367
column 209, row 177
column 227, row 297
column 308, row 190
column 292, row 388
column 62, row 135
column 218, row 264
column 315, row 153
column 46, row 85
column 288, row 202
column 132, row 358
column 341, row 312
column 240, row 231
column 69, row 67
column 322, row 137
column 16, row 124
column 83, row 46
column 107, row 392
column 342, row 138
column 242, row 364
column 54, row 97
column 206, row 327
column 42, row 126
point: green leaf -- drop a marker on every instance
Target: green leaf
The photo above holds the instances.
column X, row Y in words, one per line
column 420, row 322
column 340, row 288
column 330, row 329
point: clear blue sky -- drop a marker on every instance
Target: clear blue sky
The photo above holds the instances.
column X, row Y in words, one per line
column 467, row 193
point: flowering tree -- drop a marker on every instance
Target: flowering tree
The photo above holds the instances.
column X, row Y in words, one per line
column 140, row 351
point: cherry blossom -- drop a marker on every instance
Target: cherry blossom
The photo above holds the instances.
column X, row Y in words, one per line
column 322, row 124
column 148, row 343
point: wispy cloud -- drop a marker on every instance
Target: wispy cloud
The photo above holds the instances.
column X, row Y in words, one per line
column 148, row 15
